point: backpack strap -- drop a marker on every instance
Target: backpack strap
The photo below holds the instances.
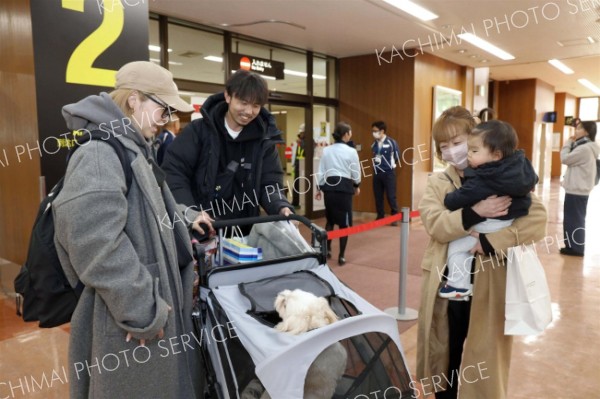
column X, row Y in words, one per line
column 115, row 144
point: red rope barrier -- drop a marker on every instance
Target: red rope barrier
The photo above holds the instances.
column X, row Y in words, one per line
column 368, row 226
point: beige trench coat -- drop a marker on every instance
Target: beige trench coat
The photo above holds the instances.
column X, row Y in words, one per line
column 487, row 351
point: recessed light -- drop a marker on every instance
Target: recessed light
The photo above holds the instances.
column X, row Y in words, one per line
column 213, row 58
column 461, row 51
column 560, row 66
column 589, row 85
column 486, row 46
column 591, row 40
column 473, row 56
column 413, row 9
column 156, row 48
column 484, row 61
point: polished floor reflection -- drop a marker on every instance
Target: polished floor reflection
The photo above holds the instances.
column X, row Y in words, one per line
column 560, row 363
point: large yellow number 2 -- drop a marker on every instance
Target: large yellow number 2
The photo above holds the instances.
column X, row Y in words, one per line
column 79, row 68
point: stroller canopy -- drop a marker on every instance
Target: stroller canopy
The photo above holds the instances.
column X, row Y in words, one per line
column 282, row 360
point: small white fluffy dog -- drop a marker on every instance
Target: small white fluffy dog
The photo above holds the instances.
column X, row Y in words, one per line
column 301, row 311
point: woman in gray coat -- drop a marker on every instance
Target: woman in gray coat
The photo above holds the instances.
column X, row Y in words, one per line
column 131, row 333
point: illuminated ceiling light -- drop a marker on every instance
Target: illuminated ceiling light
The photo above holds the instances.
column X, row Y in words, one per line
column 303, row 74
column 213, row 58
column 295, row 73
column 264, row 76
column 155, row 48
column 591, row 40
column 413, row 9
column 560, row 66
column 175, row 63
column 486, row 46
column 589, row 85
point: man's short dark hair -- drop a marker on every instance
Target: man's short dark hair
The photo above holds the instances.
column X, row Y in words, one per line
column 248, row 86
column 590, row 128
column 497, row 136
column 379, row 125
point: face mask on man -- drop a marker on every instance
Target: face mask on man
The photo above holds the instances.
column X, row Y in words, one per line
column 456, row 156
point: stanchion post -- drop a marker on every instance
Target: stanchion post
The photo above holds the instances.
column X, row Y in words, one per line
column 402, row 312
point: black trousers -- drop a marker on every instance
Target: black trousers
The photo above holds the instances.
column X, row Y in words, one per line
column 458, row 325
column 385, row 182
column 574, row 221
column 338, row 210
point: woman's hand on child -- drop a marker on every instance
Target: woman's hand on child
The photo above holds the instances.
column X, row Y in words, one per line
column 493, row 206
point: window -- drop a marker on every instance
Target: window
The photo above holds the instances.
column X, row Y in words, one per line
column 195, row 54
column 588, row 109
column 324, row 79
column 153, row 54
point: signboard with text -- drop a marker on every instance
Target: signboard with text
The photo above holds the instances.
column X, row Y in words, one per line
column 259, row 65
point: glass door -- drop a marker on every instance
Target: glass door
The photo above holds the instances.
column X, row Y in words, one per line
column 297, row 184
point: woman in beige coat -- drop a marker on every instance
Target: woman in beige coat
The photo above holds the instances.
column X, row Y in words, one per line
column 462, row 349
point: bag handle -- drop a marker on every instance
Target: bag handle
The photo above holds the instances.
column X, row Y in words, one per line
column 450, row 179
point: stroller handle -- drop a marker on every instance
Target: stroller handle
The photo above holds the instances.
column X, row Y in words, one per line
column 320, row 233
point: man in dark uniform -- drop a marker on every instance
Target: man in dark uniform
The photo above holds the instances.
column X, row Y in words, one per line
column 385, row 158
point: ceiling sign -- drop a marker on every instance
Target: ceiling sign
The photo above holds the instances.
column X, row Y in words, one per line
column 259, row 65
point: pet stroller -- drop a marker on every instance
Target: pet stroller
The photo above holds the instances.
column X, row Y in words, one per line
column 235, row 317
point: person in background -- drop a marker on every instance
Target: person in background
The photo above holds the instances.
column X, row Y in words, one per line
column 164, row 140
column 225, row 165
column 579, row 154
column 112, row 238
column 297, row 155
column 339, row 178
column 385, row 159
column 454, row 337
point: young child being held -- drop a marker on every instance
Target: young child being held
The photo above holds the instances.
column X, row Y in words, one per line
column 496, row 167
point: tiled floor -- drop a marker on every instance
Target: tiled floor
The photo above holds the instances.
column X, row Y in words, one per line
column 560, row 363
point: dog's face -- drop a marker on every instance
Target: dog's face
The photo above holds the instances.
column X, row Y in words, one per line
column 302, row 311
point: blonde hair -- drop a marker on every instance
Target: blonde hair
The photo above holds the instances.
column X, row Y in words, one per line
column 120, row 97
column 451, row 123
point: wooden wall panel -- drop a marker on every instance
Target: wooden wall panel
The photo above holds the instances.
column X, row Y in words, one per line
column 565, row 105
column 19, row 187
column 544, row 102
column 516, row 105
column 370, row 92
column 431, row 71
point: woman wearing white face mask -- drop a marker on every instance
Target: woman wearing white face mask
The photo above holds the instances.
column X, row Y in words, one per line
column 460, row 336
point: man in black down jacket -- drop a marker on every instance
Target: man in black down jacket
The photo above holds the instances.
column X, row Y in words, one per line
column 226, row 164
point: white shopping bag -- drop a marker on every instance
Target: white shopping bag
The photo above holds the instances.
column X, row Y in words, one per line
column 528, row 308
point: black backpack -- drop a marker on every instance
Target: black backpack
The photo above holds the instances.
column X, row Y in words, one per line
column 43, row 291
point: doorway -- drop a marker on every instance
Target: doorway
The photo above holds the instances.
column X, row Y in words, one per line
column 291, row 121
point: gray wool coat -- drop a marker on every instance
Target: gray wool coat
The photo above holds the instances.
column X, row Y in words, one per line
column 121, row 245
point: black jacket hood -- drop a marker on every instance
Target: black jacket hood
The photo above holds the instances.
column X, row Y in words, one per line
column 263, row 126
